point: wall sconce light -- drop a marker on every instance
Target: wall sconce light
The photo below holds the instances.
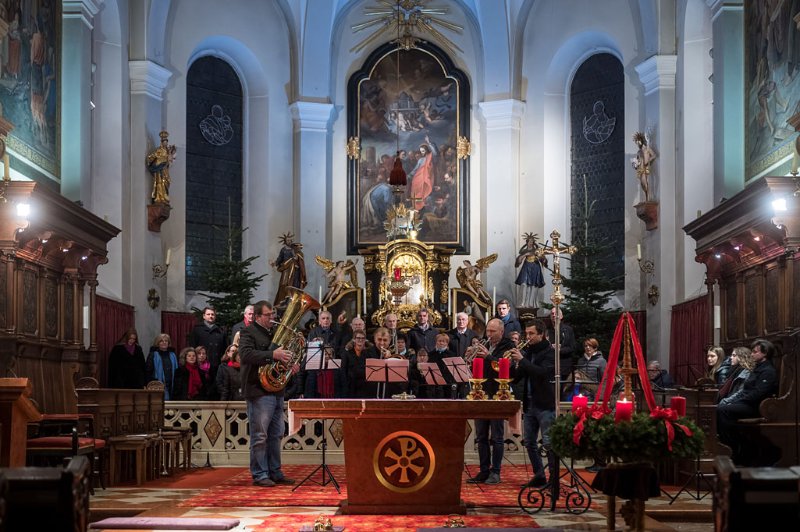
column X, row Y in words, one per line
column 160, row 270
column 646, row 265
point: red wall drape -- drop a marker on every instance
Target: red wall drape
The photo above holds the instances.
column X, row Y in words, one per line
column 178, row 325
column 113, row 319
column 688, row 340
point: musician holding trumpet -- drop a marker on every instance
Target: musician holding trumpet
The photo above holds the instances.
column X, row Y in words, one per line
column 264, row 408
column 491, row 351
column 536, row 370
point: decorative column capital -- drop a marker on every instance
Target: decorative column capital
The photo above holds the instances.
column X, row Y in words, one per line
column 311, row 116
column 657, row 73
column 502, row 114
column 84, row 10
column 148, row 78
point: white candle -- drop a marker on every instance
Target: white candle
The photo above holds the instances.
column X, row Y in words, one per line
column 494, row 299
column 638, row 251
column 169, row 253
column 320, row 294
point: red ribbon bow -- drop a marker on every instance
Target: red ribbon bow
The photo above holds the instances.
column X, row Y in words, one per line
column 670, row 416
column 595, row 411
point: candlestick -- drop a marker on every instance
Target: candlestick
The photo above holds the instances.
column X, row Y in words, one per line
column 579, row 401
column 477, row 368
column 504, row 392
column 503, row 366
column 476, row 392
column 624, row 411
column 678, row 404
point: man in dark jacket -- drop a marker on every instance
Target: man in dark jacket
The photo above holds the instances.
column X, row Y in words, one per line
column 510, row 323
column 536, row 371
column 247, row 319
column 569, row 345
column 762, row 383
column 490, row 462
column 264, row 409
column 209, row 335
column 422, row 335
column 461, row 335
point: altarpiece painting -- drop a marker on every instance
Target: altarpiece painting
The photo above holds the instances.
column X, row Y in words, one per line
column 421, row 113
column 30, row 52
column 772, row 86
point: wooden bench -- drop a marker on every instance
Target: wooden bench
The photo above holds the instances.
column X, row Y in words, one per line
column 47, row 498
column 775, row 436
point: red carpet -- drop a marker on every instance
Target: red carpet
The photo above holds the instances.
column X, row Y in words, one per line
column 239, row 491
column 393, row 523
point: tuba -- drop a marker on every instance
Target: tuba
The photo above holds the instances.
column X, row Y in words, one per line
column 275, row 375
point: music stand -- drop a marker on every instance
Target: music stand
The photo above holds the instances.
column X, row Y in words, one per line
column 432, row 373
column 697, row 476
column 321, row 467
column 386, row 370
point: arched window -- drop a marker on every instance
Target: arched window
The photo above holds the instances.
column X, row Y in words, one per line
column 597, row 109
column 213, row 167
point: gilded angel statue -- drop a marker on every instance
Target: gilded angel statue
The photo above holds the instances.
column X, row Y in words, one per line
column 468, row 277
column 340, row 275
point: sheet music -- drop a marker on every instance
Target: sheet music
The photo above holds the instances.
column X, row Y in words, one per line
column 432, row 373
column 396, row 370
column 316, row 359
column 375, row 370
column 458, row 368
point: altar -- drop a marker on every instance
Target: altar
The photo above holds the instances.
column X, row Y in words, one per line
column 403, row 457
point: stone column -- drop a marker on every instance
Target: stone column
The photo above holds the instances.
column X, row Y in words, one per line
column 76, row 95
column 657, row 75
column 728, row 57
column 142, row 247
column 312, row 186
column 500, row 192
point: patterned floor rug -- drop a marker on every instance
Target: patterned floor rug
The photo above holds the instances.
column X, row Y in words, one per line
column 239, row 491
column 394, row 523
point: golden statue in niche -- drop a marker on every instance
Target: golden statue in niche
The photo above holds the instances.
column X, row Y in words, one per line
column 158, row 163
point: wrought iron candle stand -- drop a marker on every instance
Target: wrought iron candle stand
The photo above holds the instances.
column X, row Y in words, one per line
column 569, row 485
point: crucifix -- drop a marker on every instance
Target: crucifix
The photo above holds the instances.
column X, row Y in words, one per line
column 556, row 250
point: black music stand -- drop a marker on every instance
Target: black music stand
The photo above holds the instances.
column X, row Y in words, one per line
column 697, row 476
column 322, row 467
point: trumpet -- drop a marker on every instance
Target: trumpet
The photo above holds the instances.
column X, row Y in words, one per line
column 472, row 350
column 520, row 346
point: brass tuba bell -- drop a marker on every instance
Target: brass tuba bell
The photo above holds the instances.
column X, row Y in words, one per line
column 275, row 375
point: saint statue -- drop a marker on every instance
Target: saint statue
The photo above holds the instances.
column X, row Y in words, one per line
column 530, row 278
column 643, row 162
column 158, row 163
column 291, row 265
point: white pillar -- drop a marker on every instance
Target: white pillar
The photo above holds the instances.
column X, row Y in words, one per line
column 143, row 247
column 657, row 75
column 76, row 95
column 728, row 56
column 312, row 185
column 500, row 188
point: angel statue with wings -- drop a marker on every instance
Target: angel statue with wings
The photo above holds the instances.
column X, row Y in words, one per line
column 468, row 276
column 340, row 275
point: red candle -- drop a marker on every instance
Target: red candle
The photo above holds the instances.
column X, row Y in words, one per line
column 502, row 368
column 477, row 368
column 624, row 411
column 678, row 404
column 579, row 401
column 397, row 273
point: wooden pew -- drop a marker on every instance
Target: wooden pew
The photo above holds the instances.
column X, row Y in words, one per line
column 776, row 434
column 16, row 410
column 62, row 492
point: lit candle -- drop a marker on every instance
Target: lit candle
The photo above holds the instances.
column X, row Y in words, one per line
column 169, row 254
column 638, row 251
column 624, row 411
column 579, row 401
column 477, row 368
column 502, row 368
column 678, row 404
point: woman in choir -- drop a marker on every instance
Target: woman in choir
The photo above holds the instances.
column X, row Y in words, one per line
column 162, row 364
column 741, row 365
column 230, row 387
column 188, row 382
column 208, row 374
column 126, row 368
column 717, row 368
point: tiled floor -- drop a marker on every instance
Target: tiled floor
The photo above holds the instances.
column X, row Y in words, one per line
column 160, row 501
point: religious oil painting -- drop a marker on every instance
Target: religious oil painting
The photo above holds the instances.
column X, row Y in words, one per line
column 421, row 114
column 30, row 51
column 772, row 84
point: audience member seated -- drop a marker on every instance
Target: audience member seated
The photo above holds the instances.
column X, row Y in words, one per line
column 589, row 369
column 659, row 378
column 126, row 368
column 162, row 364
column 717, row 370
column 760, row 384
column 741, row 366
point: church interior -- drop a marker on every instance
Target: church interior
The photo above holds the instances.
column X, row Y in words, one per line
column 615, row 183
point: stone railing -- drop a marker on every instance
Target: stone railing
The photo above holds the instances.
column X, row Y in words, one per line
column 221, row 437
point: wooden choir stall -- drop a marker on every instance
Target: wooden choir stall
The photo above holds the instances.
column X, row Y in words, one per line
column 403, row 456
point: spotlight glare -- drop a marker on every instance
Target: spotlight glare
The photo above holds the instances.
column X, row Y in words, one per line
column 23, row 210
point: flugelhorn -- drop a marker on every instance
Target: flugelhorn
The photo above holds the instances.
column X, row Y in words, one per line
column 472, row 350
column 520, row 346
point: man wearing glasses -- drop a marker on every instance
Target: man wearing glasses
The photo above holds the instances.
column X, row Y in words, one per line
column 264, row 409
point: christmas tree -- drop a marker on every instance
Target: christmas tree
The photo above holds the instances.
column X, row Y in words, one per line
column 231, row 283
